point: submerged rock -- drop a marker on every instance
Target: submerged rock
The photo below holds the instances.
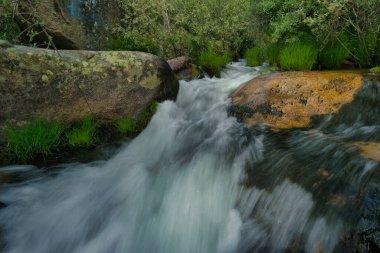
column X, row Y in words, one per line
column 290, row 99
column 70, row 85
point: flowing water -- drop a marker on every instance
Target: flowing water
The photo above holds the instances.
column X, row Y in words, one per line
column 197, row 181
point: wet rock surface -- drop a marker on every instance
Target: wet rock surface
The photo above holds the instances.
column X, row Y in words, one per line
column 290, row 99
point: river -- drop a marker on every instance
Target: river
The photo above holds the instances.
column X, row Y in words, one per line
column 197, row 181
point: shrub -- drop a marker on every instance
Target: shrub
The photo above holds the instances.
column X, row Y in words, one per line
column 212, row 62
column 254, row 56
column 126, row 125
column 35, row 138
column 133, row 42
column 375, row 69
column 82, row 135
column 333, row 56
column 272, row 53
column 298, row 56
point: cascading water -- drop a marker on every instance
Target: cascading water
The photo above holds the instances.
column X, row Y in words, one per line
column 197, row 181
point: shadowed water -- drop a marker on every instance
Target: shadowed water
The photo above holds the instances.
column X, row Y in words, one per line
column 197, row 181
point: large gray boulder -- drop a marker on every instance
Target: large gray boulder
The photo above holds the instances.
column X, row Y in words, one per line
column 70, row 85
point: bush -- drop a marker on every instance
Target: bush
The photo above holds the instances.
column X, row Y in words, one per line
column 254, row 56
column 298, row 56
column 126, row 125
column 212, row 62
column 82, row 135
column 35, row 138
column 333, row 56
column 133, row 42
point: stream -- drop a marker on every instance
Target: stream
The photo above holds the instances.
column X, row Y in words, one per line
column 198, row 181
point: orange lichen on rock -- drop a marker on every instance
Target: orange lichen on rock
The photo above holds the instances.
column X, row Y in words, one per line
column 292, row 98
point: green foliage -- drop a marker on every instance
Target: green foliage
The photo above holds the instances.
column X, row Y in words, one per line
column 326, row 21
column 8, row 27
column 375, row 69
column 212, row 62
column 82, row 135
column 188, row 27
column 126, row 125
column 255, row 56
column 298, row 56
column 333, row 56
column 133, row 42
column 35, row 138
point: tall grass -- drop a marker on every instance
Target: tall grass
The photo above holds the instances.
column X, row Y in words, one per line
column 333, row 56
column 82, row 135
column 254, row 56
column 272, row 54
column 211, row 62
column 35, row 138
column 298, row 56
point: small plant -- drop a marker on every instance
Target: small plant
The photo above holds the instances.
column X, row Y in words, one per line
column 375, row 69
column 126, row 125
column 254, row 56
column 35, row 138
column 333, row 56
column 211, row 62
column 298, row 56
column 82, row 135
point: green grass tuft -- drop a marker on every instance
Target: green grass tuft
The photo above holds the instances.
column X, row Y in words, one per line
column 375, row 69
column 211, row 62
column 126, row 125
column 272, row 54
column 82, row 135
column 298, row 56
column 35, row 138
column 333, row 56
column 255, row 56
column 147, row 114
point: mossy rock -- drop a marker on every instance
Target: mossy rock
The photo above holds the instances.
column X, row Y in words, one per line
column 71, row 85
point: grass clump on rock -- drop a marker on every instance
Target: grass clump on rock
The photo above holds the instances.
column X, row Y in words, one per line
column 375, row 69
column 126, row 125
column 36, row 138
column 298, row 56
column 254, row 56
column 82, row 135
column 212, row 62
